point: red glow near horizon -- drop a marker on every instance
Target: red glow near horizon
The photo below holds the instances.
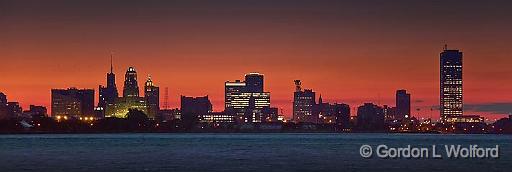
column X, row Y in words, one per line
column 351, row 52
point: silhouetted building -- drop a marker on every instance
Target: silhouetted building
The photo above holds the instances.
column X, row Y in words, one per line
column 194, row 107
column 108, row 94
column 37, row 111
column 169, row 115
column 403, row 105
column 72, row 102
column 451, row 101
column 3, row 99
column 131, row 87
column 342, row 114
column 13, row 110
column 152, row 97
column 270, row 114
column 254, row 82
column 3, row 106
column 370, row 117
column 389, row 113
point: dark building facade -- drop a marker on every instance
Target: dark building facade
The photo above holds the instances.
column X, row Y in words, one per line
column 72, row 102
column 3, row 99
column 3, row 106
column 152, row 97
column 451, row 102
column 370, row 117
column 304, row 104
column 342, row 114
column 108, row 94
column 37, row 111
column 254, row 82
column 403, row 105
column 131, row 87
column 194, row 107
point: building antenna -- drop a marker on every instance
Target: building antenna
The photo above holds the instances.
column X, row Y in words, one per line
column 445, row 47
column 166, row 98
column 111, row 62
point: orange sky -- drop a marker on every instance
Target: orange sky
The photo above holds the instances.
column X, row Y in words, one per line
column 349, row 51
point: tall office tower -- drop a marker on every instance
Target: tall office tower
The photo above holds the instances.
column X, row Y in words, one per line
column 370, row 117
column 108, row 94
column 450, row 84
column 152, row 97
column 72, row 102
column 304, row 105
column 231, row 89
column 131, row 88
column 254, row 82
column 403, row 104
column 246, row 100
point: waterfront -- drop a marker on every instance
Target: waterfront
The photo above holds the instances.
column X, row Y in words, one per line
column 235, row 152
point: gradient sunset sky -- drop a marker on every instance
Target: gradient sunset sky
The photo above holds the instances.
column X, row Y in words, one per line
column 348, row 51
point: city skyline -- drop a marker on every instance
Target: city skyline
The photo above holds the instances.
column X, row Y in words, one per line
column 346, row 62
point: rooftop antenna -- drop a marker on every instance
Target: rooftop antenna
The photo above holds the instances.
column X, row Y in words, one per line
column 111, row 62
column 166, row 98
column 445, row 47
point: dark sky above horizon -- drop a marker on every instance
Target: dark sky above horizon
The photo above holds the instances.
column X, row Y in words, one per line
column 348, row 51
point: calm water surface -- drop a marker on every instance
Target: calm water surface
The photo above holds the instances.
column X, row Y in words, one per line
column 236, row 152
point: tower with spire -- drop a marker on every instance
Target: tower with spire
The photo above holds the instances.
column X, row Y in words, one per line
column 108, row 94
column 152, row 98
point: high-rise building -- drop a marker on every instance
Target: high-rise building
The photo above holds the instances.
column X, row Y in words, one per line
column 131, row 88
column 108, row 94
column 451, row 101
column 152, row 97
column 370, row 117
column 72, row 102
column 246, row 100
column 403, row 104
column 231, row 90
column 304, row 103
column 254, row 82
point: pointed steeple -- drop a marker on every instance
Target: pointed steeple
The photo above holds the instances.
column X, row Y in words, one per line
column 320, row 101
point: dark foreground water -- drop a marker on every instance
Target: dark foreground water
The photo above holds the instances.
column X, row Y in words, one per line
column 237, row 152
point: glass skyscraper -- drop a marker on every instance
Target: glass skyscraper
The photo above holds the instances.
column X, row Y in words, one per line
column 451, row 84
